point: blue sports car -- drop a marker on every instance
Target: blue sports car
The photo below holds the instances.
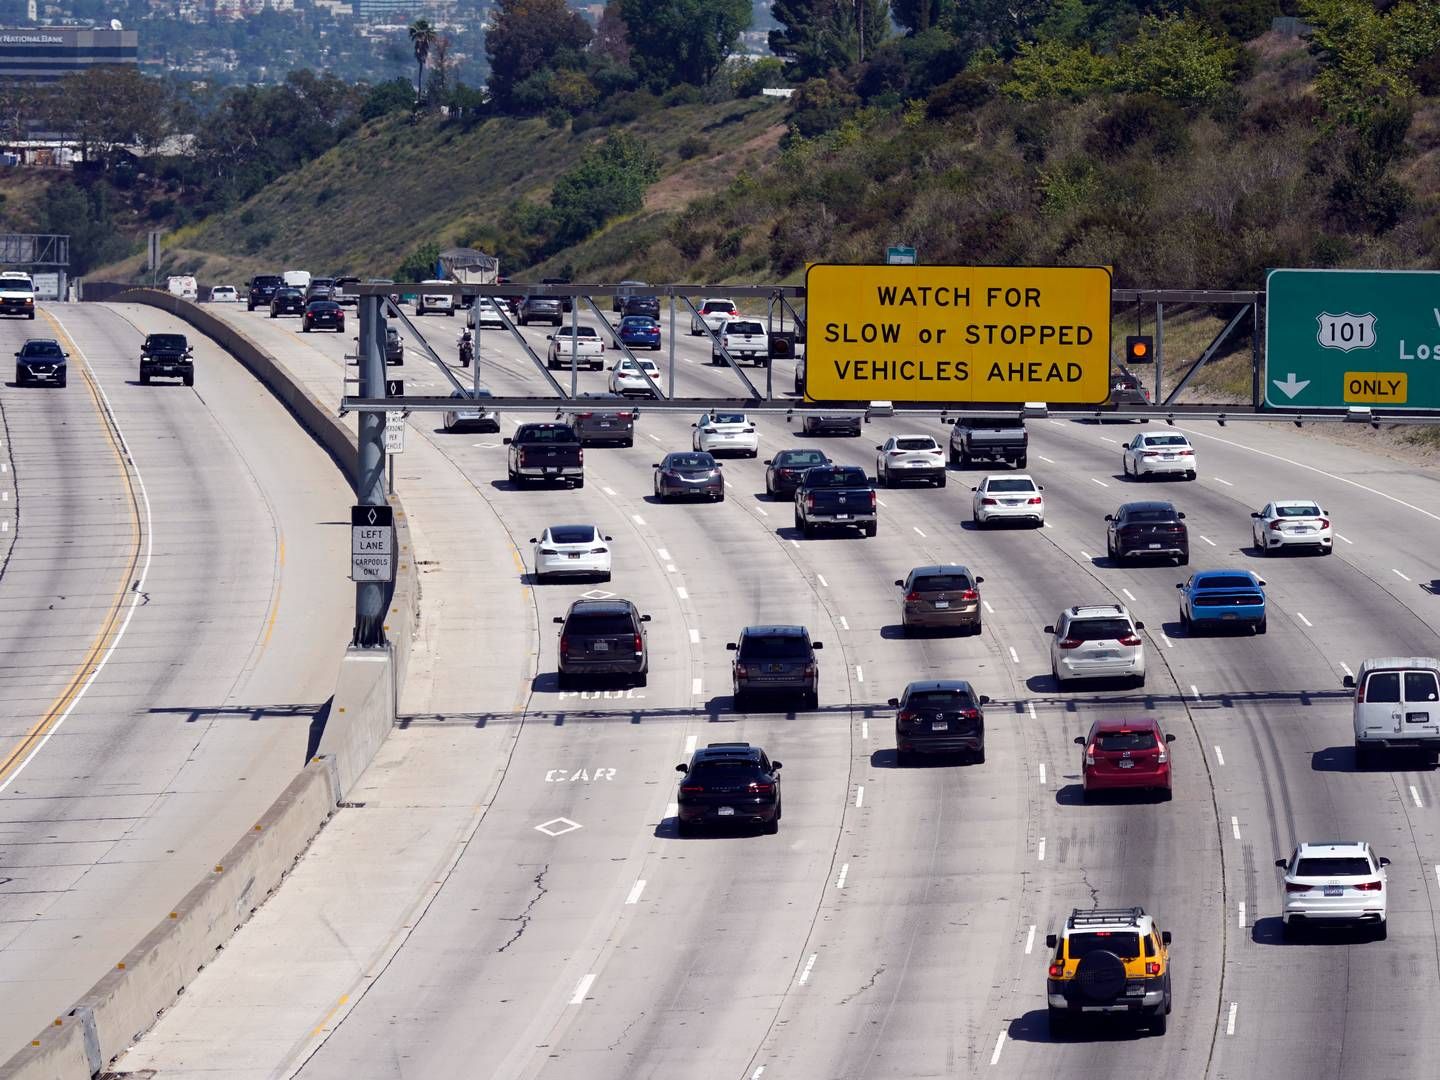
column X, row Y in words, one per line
column 639, row 332
column 1214, row 598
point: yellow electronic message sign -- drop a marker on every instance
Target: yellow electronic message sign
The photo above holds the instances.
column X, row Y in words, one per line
column 957, row 333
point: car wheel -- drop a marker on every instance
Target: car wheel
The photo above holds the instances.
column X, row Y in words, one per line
column 772, row 826
column 579, row 482
column 61, row 380
column 978, row 757
column 1158, row 1020
column 19, row 375
column 1184, row 620
column 684, row 828
column 954, row 459
column 1183, row 560
column 1364, row 756
column 812, row 699
column 305, row 327
column 977, row 628
column 1382, row 930
column 720, row 496
column 1085, row 794
column 1060, row 684
column 1260, row 627
column 1059, row 1023
column 1289, row 930
column 642, row 678
column 189, row 379
column 904, row 759
column 871, row 528
column 1167, row 794
column 144, row 378
column 1021, row 461
column 1190, row 475
column 940, row 482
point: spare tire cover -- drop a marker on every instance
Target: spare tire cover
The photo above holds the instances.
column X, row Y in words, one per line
column 1100, row 976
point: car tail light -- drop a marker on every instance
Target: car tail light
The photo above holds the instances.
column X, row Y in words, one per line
column 1035, row 501
column 581, row 460
column 1187, row 453
column 1069, row 643
column 597, row 551
column 1150, row 453
column 734, row 313
column 1057, row 970
column 1368, row 886
column 912, row 597
column 741, row 671
column 1360, row 694
column 623, row 416
column 1090, row 754
column 970, row 714
column 749, row 430
column 1295, row 886
column 639, row 644
column 811, row 671
column 707, row 431
column 872, row 500
column 1162, row 757
column 1275, row 526
column 1324, row 523
column 969, row 594
column 989, row 502
column 564, row 645
column 1152, row 968
column 906, row 717
column 1130, row 639
column 894, row 452
column 693, row 789
column 809, row 502
column 521, row 460
column 583, row 416
column 548, row 551
column 758, row 788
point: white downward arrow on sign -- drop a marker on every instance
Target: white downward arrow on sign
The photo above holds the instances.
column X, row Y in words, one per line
column 1291, row 385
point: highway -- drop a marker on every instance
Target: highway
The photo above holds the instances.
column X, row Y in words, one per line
column 895, row 926
column 171, row 627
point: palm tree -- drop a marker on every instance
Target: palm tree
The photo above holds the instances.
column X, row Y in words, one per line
column 422, row 36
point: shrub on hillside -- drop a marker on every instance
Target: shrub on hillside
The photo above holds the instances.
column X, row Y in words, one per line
column 964, row 93
column 1144, row 118
column 1239, row 19
column 748, row 77
column 607, row 181
column 821, row 105
column 693, row 146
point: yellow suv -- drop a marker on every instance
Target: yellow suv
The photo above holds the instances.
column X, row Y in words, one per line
column 1109, row 961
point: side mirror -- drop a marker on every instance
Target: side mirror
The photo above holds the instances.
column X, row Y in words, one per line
column 1139, row 626
column 719, row 464
column 609, row 539
column 1039, row 487
column 644, row 618
column 694, row 425
column 984, row 699
column 1051, row 941
column 776, row 765
column 1079, row 740
column 1049, row 629
column 1384, row 861
column 817, row 644
column 769, row 461
column 549, row 337
column 894, row 703
column 1181, row 515
column 1261, row 581
column 1165, row 937
column 656, row 465
column 730, row 645
column 682, row 767
column 879, row 448
column 506, row 440
column 900, row 582
column 1179, row 584
column 1169, row 738
column 1282, row 863
column 533, row 540
column 977, row 489
column 979, row 580
column 1255, row 513
column 1109, row 517
column 1348, row 681
column 558, row 618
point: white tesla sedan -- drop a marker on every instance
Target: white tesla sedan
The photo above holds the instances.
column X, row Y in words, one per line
column 725, row 433
column 572, row 551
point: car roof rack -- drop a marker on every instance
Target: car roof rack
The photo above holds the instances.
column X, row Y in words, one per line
column 1131, row 916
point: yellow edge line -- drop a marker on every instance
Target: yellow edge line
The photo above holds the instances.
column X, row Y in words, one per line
column 275, row 607
column 109, row 626
column 333, row 1010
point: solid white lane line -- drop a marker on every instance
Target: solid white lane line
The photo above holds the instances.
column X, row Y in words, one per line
column 918, row 530
column 1346, row 539
column 1030, row 940
column 1102, row 483
column 1015, row 656
column 680, row 592
column 1219, row 757
column 1042, row 774
column 1040, row 850
column 1222, row 480
column 844, row 871
column 1166, row 638
column 999, row 1045
column 1048, row 461
column 635, row 891
column 859, row 673
column 1086, row 555
column 843, row 624
column 695, row 687
column 809, row 967
column 1030, row 708
column 1242, row 915
column 1346, row 668
column 988, row 609
column 1195, row 690
column 1414, row 794
column 691, row 740
column 823, row 583
column 1235, row 827
column 664, row 555
column 608, row 491
column 1128, row 595
column 1301, row 616
column 1394, row 571
column 1437, row 874
column 760, row 1071
column 762, row 511
column 864, row 729
column 1208, row 540
column 637, row 519
column 795, row 543
column 1230, row 1023
column 582, row 988
column 859, row 795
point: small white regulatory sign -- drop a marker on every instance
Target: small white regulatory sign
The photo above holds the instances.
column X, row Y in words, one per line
column 394, row 432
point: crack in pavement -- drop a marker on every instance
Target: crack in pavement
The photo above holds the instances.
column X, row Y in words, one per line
column 867, row 986
column 621, row 1037
column 524, row 917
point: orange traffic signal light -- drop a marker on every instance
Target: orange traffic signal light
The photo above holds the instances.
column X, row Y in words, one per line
column 1139, row 349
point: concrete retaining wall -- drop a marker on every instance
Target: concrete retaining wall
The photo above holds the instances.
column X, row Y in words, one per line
column 126, row 1002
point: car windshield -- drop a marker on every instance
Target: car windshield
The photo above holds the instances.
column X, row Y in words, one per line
column 918, row 443
column 941, row 699
column 1309, row 510
column 800, row 457
column 1166, row 440
column 1126, row 740
column 1098, row 629
column 167, row 341
column 1335, row 866
column 941, row 583
column 572, row 534
column 690, row 461
column 1383, row 686
column 600, row 623
column 1165, row 514
column 1228, row 581
column 729, row 418
column 42, row 348
column 1010, row 485
column 469, row 394
column 1123, row 943
column 745, row 328
column 774, row 647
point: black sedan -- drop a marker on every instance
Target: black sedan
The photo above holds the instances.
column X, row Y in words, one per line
column 776, row 660
column 323, row 315
column 40, row 360
column 688, row 475
column 728, row 783
column 287, row 302
column 783, row 471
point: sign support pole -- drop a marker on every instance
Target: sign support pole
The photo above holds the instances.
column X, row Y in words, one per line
column 1159, row 350
column 371, row 597
column 1257, row 385
column 672, row 345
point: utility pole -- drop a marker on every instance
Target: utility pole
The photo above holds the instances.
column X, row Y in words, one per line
column 371, row 597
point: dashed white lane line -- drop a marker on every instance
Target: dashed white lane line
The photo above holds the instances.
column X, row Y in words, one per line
column 635, row 891
column 760, row 1070
column 1301, row 616
column 1437, row 874
column 1346, row 668
column 691, row 740
column 1222, row 480
column 999, row 1045
column 1095, row 480
column 671, row 568
column 1242, row 915
column 652, row 436
column 1219, row 756
column 1128, row 595
column 1207, row 540
column 1230, row 1023
column 859, row 673
column 864, row 729
column 1040, row 850
column 608, row 491
column 1235, row 827
column 809, row 967
column 1057, row 423
column 1346, row 539
column 1030, row 708
column 859, row 795
column 1042, row 774
column 844, row 872
column 1112, row 442
column 1399, row 573
column 922, row 533
column 681, row 592
column 795, row 543
column 823, row 583
column 664, row 555
column 1048, row 461
column 1414, row 794
column 1086, row 555
column 1195, row 690
column 582, row 988
column 1030, row 940
column 637, row 519
column 696, row 687
column 1014, row 656
column 988, row 609
column 844, row 625
column 762, row 511
column 1165, row 638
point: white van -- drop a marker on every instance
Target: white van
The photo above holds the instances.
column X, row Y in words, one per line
column 435, row 301
column 183, row 285
column 1397, row 706
column 297, row 279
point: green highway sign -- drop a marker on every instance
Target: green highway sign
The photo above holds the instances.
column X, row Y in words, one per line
column 1341, row 338
column 900, row 256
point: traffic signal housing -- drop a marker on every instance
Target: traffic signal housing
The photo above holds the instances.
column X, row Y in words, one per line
column 1139, row 349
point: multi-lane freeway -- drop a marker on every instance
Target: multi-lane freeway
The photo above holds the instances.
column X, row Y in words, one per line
column 894, row 927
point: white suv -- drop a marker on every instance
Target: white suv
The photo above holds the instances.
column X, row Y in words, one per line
column 909, row 457
column 1097, row 642
column 714, row 313
column 435, row 301
column 1162, row 452
column 1334, row 882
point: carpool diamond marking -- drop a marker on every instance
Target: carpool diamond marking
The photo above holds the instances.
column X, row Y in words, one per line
column 558, row 826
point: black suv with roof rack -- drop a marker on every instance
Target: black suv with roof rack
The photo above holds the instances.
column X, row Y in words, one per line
column 728, row 783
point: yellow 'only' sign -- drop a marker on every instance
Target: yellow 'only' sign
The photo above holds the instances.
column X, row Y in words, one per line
column 957, row 333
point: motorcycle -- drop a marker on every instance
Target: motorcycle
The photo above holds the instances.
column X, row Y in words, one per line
column 467, row 349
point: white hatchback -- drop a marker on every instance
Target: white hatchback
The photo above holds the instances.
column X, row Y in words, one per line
column 1162, row 452
column 1334, row 883
column 572, row 551
column 725, row 432
column 1100, row 641
column 1291, row 523
column 1008, row 498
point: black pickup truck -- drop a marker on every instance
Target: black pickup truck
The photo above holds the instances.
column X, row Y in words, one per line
column 546, row 452
column 168, row 356
column 835, row 496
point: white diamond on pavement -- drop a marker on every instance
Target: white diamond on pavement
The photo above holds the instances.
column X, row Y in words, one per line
column 558, row 826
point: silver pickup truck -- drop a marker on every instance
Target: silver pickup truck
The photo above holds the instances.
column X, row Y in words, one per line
column 989, row 438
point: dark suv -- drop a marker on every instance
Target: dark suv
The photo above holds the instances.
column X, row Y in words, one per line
column 262, row 290
column 548, row 308
column 939, row 716
column 619, row 300
column 40, row 360
column 641, row 305
column 1148, row 529
column 603, row 637
column 776, row 659
column 167, row 356
column 566, row 303
column 728, row 783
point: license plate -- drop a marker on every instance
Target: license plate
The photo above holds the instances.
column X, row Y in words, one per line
column 601, row 646
column 552, row 468
column 1167, row 457
column 1011, row 502
column 1302, row 529
column 842, row 517
column 777, row 667
column 939, row 725
column 1228, row 615
column 1125, row 763
column 468, row 415
column 1417, row 718
column 1334, row 890
column 726, row 811
column 1154, row 547
column 942, row 603
column 572, row 554
column 1105, row 654
column 606, row 424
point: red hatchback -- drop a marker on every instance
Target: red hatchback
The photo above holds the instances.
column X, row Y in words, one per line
column 1126, row 754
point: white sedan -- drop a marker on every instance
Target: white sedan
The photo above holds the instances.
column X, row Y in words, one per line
column 1159, row 452
column 572, row 551
column 715, row 312
column 224, row 294
column 903, row 458
column 725, row 432
column 626, row 380
column 1288, row 523
column 1008, row 498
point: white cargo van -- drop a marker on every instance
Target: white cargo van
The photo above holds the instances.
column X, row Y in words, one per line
column 1397, row 706
column 297, row 279
column 435, row 301
column 183, row 285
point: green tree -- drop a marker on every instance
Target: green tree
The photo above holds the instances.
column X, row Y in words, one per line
column 394, row 95
column 820, row 36
column 1368, row 57
column 999, row 25
column 609, row 180
column 917, row 16
column 526, row 38
column 422, row 37
column 1049, row 69
column 682, row 41
column 419, row 264
column 1240, row 19
column 1175, row 57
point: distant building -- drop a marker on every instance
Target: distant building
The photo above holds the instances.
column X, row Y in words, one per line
column 383, row 9
column 47, row 53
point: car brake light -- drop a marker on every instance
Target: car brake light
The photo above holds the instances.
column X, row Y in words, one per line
column 1035, row 501
column 1090, row 754
column 1187, row 453
column 1275, row 526
column 548, row 551
column 893, row 452
column 912, row 597
column 639, row 645
column 758, row 788
column 1152, row 968
column 1360, row 694
column 1368, row 886
column 1161, row 758
column 581, row 460
column 971, row 714
column 741, row 671
column 1057, row 970
column 597, row 551
column 1130, row 639
column 521, row 460
column 872, row 500
column 1068, row 643
column 969, row 594
column 1295, row 886
column 583, row 416
column 809, row 502
column 988, row 502
column 692, row 789
column 811, row 671
column 564, row 645
column 622, row 416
